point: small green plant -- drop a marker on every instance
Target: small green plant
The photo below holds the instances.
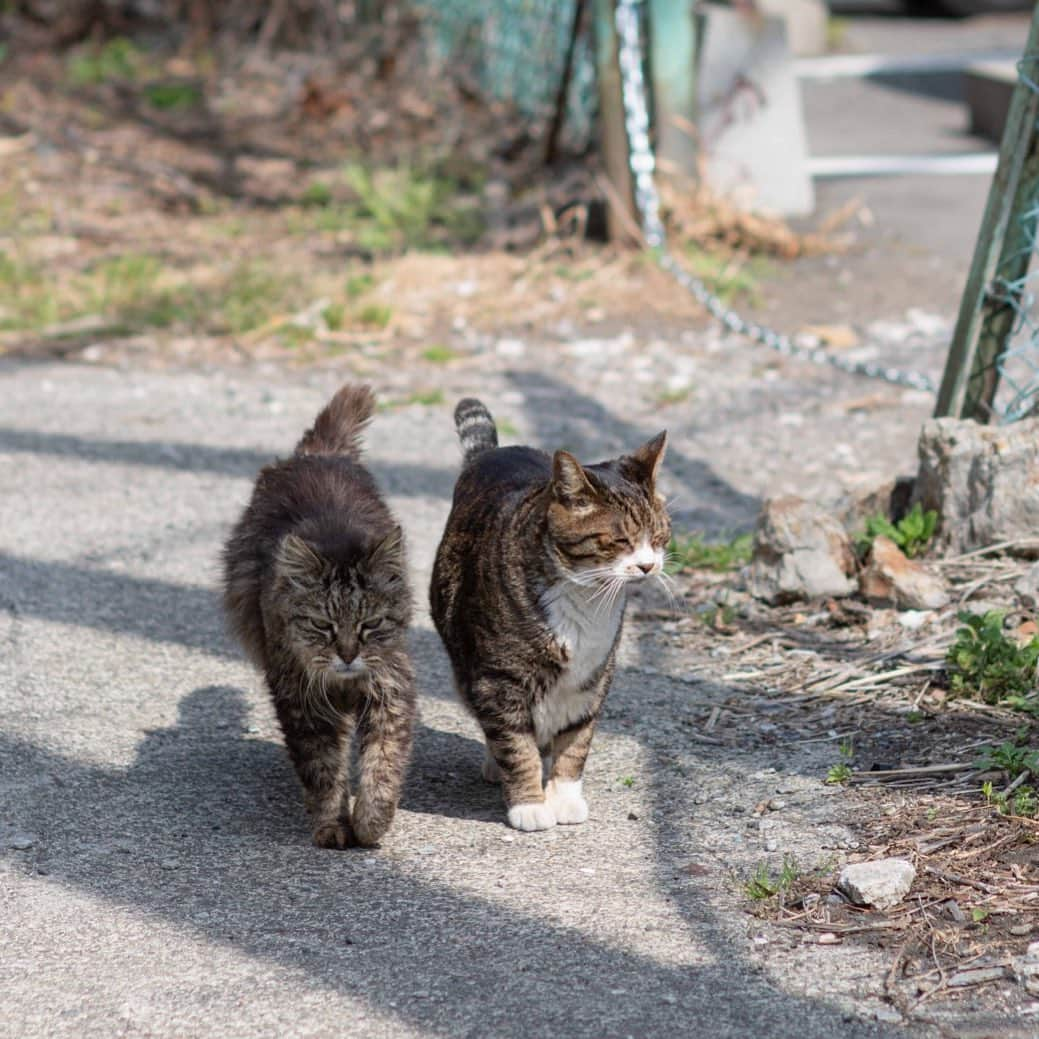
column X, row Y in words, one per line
column 675, row 396
column 118, row 59
column 765, row 884
column 439, row 354
column 168, row 97
column 979, row 914
column 317, row 193
column 358, row 284
column 838, row 774
column 1011, row 758
column 730, row 277
column 1025, row 802
column 628, row 781
column 376, row 314
column 334, row 316
column 984, row 663
column 692, row 552
column 427, row 397
column 507, row 428
column 912, row 533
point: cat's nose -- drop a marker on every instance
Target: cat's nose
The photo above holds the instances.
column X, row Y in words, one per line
column 646, row 568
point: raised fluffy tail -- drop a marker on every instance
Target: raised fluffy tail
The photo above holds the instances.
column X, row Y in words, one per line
column 475, row 427
column 337, row 429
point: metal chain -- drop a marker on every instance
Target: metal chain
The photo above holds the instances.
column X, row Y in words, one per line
column 643, row 166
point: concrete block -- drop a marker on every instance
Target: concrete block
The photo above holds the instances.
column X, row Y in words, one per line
column 751, row 123
column 988, row 87
column 805, row 24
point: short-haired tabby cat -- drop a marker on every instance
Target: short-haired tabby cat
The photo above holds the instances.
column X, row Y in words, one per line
column 315, row 588
column 528, row 595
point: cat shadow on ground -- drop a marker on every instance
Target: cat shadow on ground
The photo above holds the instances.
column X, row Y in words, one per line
column 203, row 829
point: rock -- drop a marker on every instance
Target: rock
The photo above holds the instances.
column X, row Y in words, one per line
column 881, row 884
column 889, row 579
column 800, row 552
column 1027, row 587
column 888, row 498
column 982, row 480
column 1026, row 969
column 22, row 841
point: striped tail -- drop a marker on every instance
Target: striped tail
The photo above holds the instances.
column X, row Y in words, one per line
column 337, row 429
column 475, row 427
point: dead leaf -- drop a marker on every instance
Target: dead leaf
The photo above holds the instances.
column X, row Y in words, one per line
column 837, row 337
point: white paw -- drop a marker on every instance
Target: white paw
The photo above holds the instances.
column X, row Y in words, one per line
column 490, row 771
column 564, row 795
column 533, row 816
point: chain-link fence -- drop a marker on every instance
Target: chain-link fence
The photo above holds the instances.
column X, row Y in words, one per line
column 992, row 373
column 523, row 52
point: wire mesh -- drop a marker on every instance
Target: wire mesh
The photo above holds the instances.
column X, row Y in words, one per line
column 515, row 52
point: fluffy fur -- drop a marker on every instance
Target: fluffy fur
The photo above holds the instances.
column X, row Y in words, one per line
column 528, row 596
column 315, row 588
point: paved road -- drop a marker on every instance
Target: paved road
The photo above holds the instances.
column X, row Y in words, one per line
column 155, row 872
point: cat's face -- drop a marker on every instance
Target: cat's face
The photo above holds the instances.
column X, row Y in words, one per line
column 339, row 616
column 607, row 522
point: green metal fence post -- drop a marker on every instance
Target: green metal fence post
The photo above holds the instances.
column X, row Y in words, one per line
column 1004, row 248
column 673, row 61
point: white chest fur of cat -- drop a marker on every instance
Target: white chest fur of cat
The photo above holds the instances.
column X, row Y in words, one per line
column 587, row 627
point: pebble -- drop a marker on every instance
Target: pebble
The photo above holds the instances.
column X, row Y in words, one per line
column 776, row 804
column 169, row 864
column 22, row 841
column 771, row 845
column 1020, row 929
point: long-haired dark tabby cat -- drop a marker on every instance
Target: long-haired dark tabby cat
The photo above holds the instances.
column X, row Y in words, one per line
column 315, row 588
column 528, row 594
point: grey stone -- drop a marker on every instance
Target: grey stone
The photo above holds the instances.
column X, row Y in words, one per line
column 800, row 552
column 983, row 481
column 890, row 579
column 882, row 883
column 1027, row 587
column 22, row 841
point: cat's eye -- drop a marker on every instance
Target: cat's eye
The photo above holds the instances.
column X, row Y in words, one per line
column 375, row 629
column 624, row 544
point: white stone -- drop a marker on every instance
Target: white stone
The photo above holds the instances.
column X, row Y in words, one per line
column 881, row 884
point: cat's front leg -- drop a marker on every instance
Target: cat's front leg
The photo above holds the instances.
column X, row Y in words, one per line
column 519, row 763
column 384, row 734
column 318, row 748
column 564, row 788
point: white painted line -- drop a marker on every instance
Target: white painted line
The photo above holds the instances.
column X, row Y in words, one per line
column 846, row 66
column 824, row 166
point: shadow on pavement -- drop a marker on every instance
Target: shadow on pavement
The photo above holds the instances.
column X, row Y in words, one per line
column 204, row 830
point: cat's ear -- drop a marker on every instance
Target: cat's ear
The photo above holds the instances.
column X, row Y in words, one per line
column 388, row 552
column 570, row 483
column 295, row 559
column 649, row 457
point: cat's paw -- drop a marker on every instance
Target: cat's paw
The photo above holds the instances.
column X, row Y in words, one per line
column 333, row 835
column 489, row 770
column 564, row 795
column 537, row 815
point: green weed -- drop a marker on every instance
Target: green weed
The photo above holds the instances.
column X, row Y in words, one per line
column 358, row 284
column 1010, row 758
column 765, row 884
column 439, row 354
column 506, row 428
column 403, row 207
column 377, row 315
column 627, row 781
column 912, row 533
column 729, row 278
column 666, row 397
column 316, row 193
column 984, row 663
column 692, row 552
column 252, row 296
column 118, row 59
column 169, row 97
column 334, row 316
column 838, row 774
